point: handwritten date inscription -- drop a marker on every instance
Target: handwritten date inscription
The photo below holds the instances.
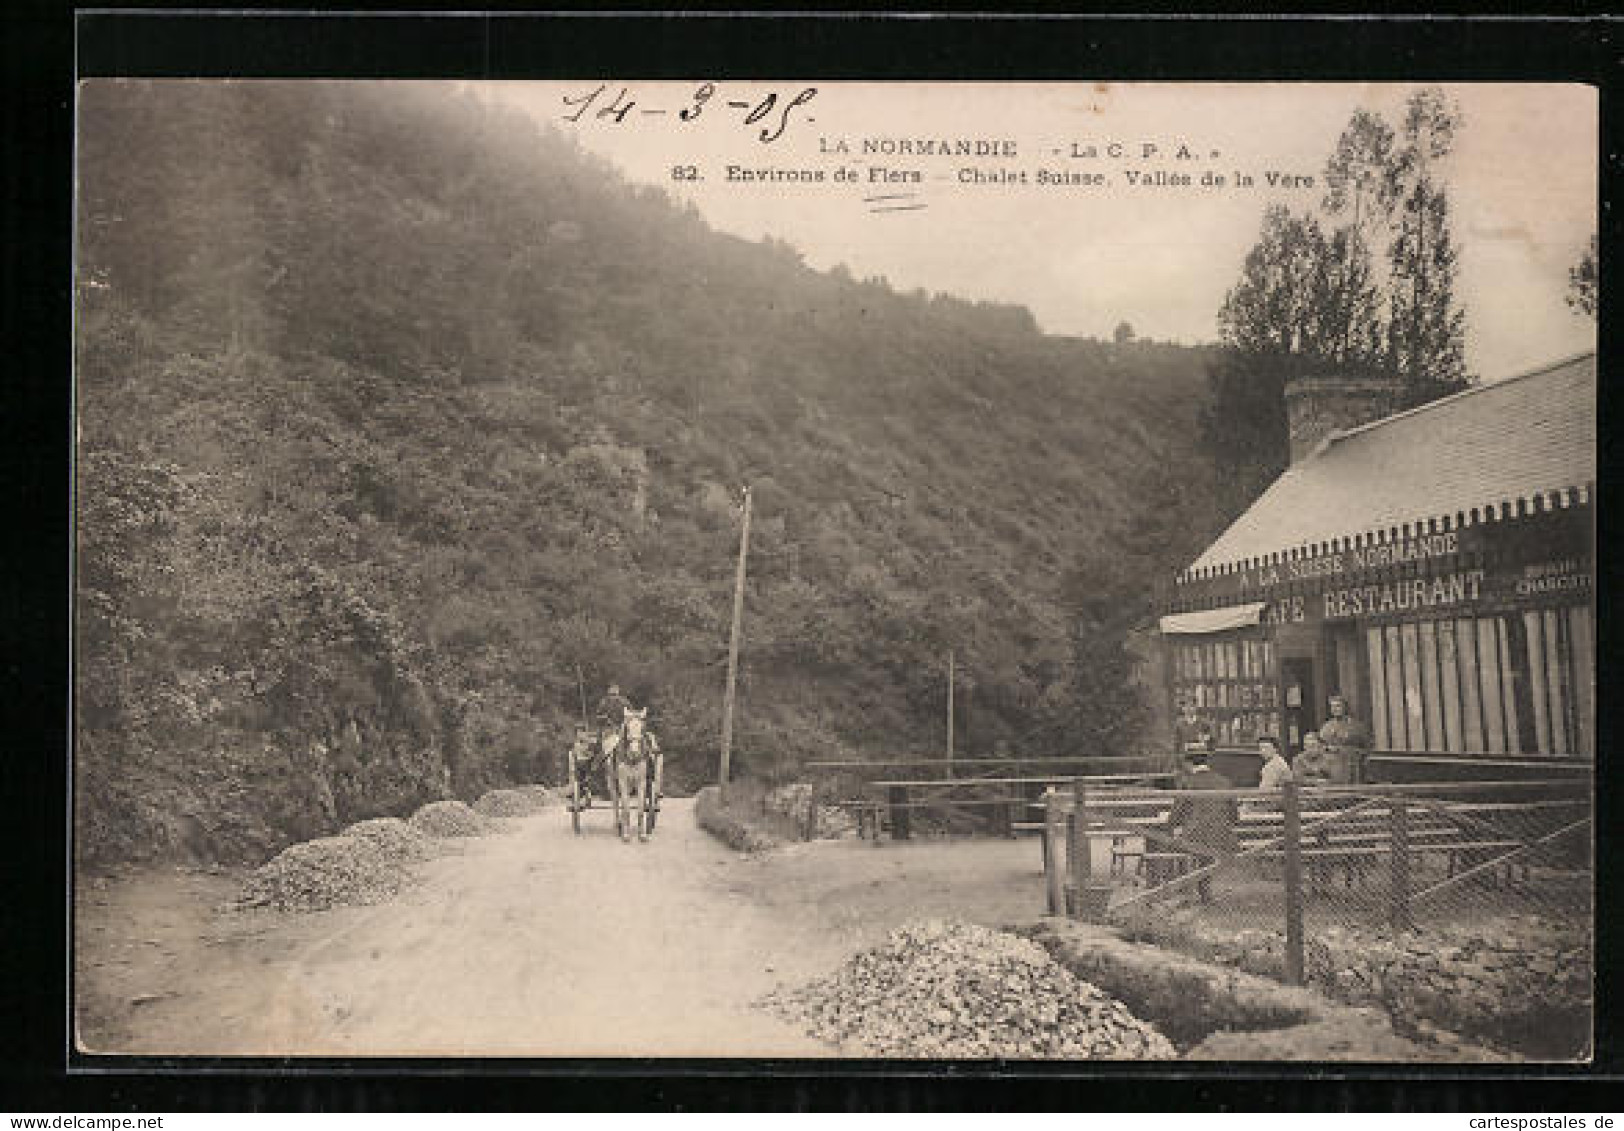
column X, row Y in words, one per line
column 770, row 114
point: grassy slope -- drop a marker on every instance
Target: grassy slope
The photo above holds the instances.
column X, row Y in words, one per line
column 395, row 411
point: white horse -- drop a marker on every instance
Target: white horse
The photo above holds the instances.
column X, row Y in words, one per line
column 639, row 768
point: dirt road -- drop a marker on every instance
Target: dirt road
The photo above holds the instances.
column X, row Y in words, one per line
column 530, row 942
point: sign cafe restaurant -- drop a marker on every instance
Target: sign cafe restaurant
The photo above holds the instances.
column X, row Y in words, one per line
column 1434, row 567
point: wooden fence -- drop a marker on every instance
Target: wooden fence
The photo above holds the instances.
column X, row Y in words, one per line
column 966, row 795
column 1479, row 828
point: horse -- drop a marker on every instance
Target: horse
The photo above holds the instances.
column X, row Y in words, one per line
column 636, row 760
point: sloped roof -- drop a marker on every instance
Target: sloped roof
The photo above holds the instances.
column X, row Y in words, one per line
column 1519, row 438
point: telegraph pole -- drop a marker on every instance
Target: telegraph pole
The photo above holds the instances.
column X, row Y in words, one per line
column 950, row 710
column 733, row 642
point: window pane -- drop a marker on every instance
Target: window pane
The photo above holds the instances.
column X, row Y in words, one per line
column 1584, row 676
column 1558, row 682
column 1534, row 627
column 1415, row 725
column 1449, row 683
column 1492, row 684
column 1508, row 686
column 1471, row 702
column 1378, row 689
column 1432, row 713
column 1397, row 730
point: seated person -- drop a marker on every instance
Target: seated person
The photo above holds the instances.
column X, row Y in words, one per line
column 1276, row 772
column 1190, row 732
column 1348, row 738
column 1316, row 765
column 1204, row 826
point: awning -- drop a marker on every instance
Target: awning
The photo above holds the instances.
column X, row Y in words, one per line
column 1211, row 620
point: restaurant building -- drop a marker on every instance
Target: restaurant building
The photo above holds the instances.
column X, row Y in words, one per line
column 1435, row 567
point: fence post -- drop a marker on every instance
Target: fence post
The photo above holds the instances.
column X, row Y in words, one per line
column 1291, row 820
column 810, row 831
column 1054, row 881
column 1399, row 810
column 899, row 812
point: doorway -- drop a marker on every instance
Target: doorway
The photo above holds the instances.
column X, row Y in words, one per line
column 1301, row 701
column 1346, row 675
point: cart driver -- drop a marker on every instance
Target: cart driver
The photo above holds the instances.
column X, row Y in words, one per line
column 611, row 716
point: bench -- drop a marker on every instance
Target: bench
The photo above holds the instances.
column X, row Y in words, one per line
column 1350, row 836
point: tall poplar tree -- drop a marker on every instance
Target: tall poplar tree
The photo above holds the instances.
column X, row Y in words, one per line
column 1427, row 327
column 1315, row 296
column 1361, row 194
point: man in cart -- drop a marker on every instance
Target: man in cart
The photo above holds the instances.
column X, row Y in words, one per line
column 611, row 716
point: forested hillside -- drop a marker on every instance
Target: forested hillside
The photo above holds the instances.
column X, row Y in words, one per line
column 395, row 408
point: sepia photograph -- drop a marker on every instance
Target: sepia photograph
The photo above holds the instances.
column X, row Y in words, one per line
column 830, row 570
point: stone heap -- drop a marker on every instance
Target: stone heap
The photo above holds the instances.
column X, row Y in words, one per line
column 314, row 875
column 956, row 991
column 450, row 818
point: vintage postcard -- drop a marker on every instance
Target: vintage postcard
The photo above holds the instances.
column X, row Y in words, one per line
column 1083, row 571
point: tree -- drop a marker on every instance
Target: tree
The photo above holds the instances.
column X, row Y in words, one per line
column 1582, row 282
column 1243, row 426
column 1427, row 327
column 1267, row 310
column 1313, row 295
column 1358, row 175
column 1306, row 302
column 1360, row 191
column 1103, row 711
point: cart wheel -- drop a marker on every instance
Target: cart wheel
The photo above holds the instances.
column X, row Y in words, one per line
column 651, row 810
column 575, row 807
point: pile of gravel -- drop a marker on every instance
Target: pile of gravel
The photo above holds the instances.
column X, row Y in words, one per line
column 317, row 874
column 512, row 802
column 394, row 836
column 450, row 818
column 541, row 793
column 953, row 990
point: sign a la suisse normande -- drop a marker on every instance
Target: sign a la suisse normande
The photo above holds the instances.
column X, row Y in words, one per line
column 1441, row 588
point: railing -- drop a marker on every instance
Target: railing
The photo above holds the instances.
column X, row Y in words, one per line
column 1406, row 852
column 967, row 795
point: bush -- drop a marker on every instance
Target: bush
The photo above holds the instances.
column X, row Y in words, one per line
column 727, row 825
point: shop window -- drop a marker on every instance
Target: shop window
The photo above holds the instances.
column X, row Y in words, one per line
column 1231, row 684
